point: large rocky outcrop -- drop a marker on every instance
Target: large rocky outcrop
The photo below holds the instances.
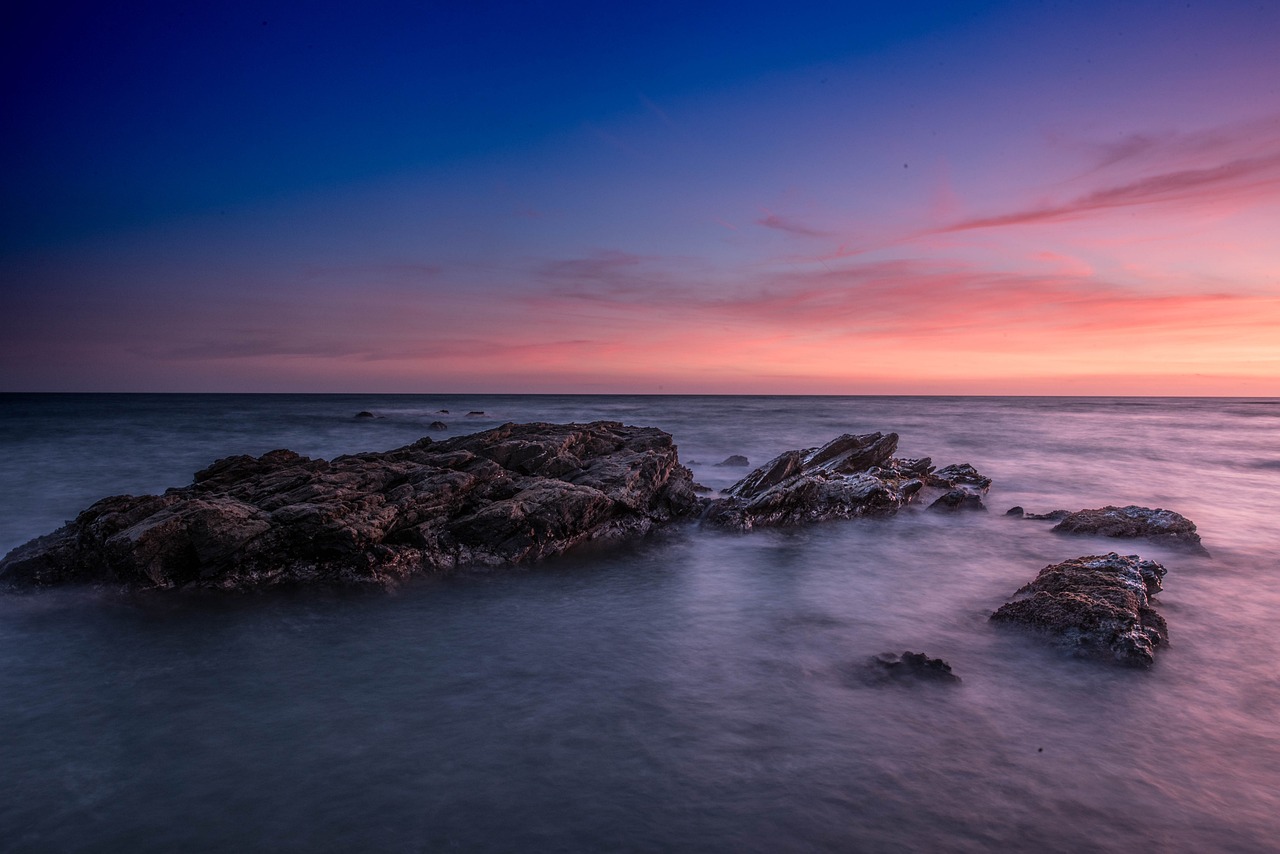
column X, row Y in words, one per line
column 850, row 476
column 515, row 493
column 1097, row 606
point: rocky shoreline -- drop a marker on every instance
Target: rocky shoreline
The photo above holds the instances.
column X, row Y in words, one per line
column 522, row 492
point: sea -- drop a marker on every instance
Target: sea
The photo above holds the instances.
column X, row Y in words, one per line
column 695, row 690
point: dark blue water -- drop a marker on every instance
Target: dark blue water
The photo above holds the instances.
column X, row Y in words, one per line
column 694, row 691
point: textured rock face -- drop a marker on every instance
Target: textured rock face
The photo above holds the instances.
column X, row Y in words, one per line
column 850, row 476
column 1097, row 606
column 515, row 493
column 1159, row 526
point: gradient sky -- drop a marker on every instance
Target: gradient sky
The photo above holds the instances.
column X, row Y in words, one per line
column 898, row 198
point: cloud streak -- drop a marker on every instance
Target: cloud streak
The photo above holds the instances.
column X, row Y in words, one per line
column 1239, row 179
column 789, row 226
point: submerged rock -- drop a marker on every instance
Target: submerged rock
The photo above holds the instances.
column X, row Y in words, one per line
column 850, row 476
column 1052, row 515
column 734, row 461
column 907, row 667
column 365, row 414
column 1158, row 526
column 502, row 496
column 1097, row 606
column 437, row 425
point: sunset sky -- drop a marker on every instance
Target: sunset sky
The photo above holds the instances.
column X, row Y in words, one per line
column 888, row 198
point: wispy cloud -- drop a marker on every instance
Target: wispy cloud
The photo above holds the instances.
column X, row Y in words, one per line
column 1239, row 163
column 1248, row 177
column 912, row 300
column 790, row 226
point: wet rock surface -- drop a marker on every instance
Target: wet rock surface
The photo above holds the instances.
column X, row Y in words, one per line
column 1132, row 522
column 850, row 476
column 1097, row 606
column 502, row 496
column 958, row 500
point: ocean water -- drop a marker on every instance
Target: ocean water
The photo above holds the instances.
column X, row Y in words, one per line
column 694, row 691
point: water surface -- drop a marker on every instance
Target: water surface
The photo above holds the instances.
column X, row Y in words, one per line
column 693, row 691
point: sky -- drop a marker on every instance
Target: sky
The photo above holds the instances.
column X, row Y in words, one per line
column 708, row 198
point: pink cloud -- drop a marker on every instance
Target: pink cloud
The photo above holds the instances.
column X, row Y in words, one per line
column 1244, row 179
column 1239, row 163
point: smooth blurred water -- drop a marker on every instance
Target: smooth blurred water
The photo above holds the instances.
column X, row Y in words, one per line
column 694, row 691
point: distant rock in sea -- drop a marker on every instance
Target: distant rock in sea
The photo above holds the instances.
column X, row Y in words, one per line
column 734, row 461
column 437, row 425
column 850, row 476
column 1097, row 606
column 503, row 496
column 365, row 414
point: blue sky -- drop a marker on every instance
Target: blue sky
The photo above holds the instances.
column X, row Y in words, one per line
column 843, row 198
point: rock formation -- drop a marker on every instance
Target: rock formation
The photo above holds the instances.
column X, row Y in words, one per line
column 511, row 494
column 1158, row 526
column 850, row 476
column 1098, row 606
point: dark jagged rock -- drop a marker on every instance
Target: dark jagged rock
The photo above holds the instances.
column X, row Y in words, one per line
column 511, row 494
column 962, row 474
column 437, row 425
column 1158, row 526
column 957, row 500
column 734, row 461
column 1097, row 606
column 907, row 667
column 850, row 476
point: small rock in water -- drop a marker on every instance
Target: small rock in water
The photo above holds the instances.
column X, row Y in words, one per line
column 734, row 461
column 1016, row 512
column 958, row 500
column 365, row 414
column 1158, row 526
column 437, row 425
column 1097, row 606
column 442, row 412
column 476, row 412
column 908, row 667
